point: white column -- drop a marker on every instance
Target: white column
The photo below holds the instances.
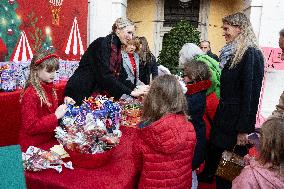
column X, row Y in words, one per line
column 272, row 22
column 102, row 14
column 253, row 9
column 118, row 9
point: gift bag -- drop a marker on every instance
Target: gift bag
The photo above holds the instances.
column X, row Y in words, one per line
column 230, row 165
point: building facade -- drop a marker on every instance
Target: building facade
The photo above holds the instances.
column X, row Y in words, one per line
column 154, row 18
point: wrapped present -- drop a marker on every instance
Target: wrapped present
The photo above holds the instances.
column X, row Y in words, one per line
column 8, row 79
column 70, row 67
column 15, row 74
column 36, row 159
column 89, row 130
column 22, row 74
column 61, row 72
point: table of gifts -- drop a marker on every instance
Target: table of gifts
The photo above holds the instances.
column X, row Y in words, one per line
column 119, row 172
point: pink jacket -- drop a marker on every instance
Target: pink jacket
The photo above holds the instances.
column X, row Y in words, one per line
column 255, row 176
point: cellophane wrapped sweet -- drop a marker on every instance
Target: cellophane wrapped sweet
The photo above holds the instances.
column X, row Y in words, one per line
column 36, row 159
column 131, row 111
column 92, row 127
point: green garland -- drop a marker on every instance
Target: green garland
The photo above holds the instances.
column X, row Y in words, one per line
column 183, row 32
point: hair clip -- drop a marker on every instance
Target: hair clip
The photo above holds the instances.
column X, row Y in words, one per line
column 39, row 61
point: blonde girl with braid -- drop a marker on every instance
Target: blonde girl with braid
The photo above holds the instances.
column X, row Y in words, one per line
column 39, row 104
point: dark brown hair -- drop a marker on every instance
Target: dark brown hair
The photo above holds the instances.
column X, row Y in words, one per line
column 165, row 96
column 197, row 70
column 272, row 143
column 281, row 33
column 144, row 53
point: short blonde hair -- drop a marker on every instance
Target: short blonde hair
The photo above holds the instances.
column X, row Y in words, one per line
column 121, row 23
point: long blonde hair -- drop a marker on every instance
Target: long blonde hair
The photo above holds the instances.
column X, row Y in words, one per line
column 245, row 39
column 272, row 144
column 50, row 64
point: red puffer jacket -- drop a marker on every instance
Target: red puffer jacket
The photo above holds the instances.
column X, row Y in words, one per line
column 164, row 151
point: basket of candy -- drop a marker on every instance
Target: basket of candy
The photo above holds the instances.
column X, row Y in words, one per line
column 90, row 132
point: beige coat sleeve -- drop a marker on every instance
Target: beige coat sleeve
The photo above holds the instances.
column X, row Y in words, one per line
column 279, row 112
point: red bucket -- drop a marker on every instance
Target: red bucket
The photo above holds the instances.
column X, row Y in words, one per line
column 90, row 161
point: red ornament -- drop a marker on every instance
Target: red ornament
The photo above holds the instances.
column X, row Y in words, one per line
column 10, row 31
column 11, row 2
column 3, row 51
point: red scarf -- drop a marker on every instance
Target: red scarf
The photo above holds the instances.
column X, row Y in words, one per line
column 197, row 87
column 133, row 63
column 115, row 60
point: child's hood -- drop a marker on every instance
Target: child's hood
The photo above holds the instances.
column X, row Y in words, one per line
column 258, row 176
column 169, row 134
column 265, row 177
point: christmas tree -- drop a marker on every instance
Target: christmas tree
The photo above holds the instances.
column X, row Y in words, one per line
column 9, row 25
column 47, row 44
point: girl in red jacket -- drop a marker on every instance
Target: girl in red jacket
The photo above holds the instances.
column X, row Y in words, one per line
column 39, row 104
column 166, row 139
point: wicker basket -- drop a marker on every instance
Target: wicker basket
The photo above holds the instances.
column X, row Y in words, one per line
column 230, row 166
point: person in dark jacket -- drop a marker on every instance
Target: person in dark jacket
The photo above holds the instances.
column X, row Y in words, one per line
column 148, row 65
column 197, row 78
column 165, row 141
column 206, row 47
column 100, row 69
column 241, row 81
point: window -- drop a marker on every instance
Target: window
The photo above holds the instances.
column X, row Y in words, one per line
column 176, row 10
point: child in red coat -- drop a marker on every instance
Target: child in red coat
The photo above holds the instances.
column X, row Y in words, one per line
column 166, row 139
column 39, row 104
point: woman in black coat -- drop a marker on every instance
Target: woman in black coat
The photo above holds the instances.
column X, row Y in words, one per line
column 100, row 69
column 241, row 81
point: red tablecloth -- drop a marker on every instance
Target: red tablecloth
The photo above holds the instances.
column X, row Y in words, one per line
column 118, row 173
column 10, row 115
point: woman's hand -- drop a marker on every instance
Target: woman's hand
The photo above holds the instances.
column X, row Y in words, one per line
column 242, row 139
column 140, row 90
column 60, row 111
column 68, row 100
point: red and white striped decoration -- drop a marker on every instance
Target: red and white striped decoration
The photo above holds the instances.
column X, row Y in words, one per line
column 22, row 51
column 74, row 47
column 56, row 2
